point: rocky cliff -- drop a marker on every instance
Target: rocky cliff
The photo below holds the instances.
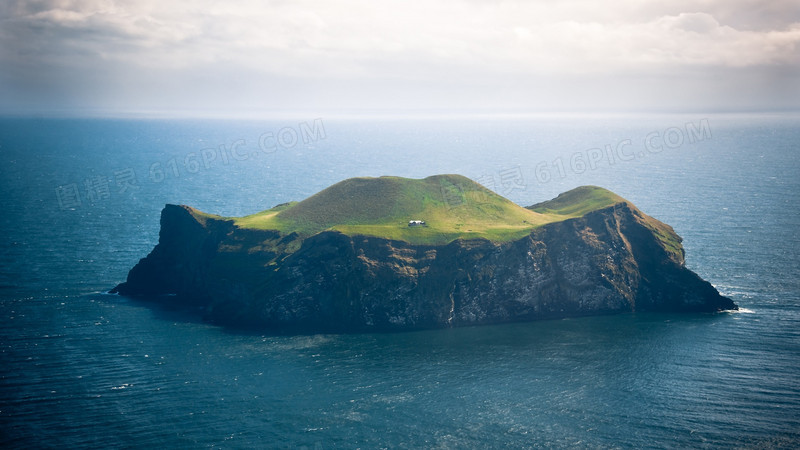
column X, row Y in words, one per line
column 608, row 259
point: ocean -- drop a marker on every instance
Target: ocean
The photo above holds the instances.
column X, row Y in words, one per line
column 81, row 200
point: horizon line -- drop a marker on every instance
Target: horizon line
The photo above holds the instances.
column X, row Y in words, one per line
column 376, row 114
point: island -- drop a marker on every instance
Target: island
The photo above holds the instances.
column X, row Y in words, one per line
column 392, row 253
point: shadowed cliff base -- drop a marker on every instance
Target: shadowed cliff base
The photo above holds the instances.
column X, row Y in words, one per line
column 348, row 260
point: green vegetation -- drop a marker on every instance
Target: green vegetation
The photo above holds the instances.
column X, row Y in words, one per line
column 584, row 199
column 453, row 207
column 578, row 202
column 203, row 217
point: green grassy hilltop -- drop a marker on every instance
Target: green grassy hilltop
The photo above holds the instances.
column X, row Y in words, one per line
column 585, row 199
column 578, row 202
column 453, row 207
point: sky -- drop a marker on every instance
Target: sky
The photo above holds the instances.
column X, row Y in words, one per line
column 209, row 57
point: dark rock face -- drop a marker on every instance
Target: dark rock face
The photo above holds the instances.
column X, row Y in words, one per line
column 607, row 261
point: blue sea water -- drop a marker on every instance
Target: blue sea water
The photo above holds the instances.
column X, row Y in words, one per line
column 81, row 200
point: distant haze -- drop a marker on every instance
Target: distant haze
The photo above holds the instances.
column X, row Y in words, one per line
column 150, row 57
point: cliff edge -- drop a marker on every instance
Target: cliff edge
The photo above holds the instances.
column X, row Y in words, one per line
column 348, row 260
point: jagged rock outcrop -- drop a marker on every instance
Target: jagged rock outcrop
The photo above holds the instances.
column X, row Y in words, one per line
column 609, row 260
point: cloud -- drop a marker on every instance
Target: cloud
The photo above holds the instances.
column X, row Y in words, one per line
column 253, row 49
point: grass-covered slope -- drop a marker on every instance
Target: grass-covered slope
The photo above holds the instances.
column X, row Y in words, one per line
column 585, row 199
column 577, row 202
column 452, row 206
